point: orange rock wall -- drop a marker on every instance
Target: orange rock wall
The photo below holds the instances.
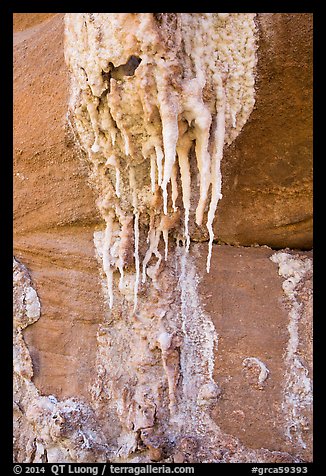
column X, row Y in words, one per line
column 267, row 200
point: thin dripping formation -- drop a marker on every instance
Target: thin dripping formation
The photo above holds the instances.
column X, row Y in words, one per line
column 182, row 90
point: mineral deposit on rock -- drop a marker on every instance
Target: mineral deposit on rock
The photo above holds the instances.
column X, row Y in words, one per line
column 153, row 321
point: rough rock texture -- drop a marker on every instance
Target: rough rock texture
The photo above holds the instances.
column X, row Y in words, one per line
column 267, row 172
column 267, row 194
column 45, row 429
column 22, row 22
column 163, row 378
column 150, row 372
column 153, row 117
column 253, row 316
column 48, row 222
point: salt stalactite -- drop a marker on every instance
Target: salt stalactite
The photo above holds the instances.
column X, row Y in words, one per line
column 154, row 239
column 106, row 258
column 153, row 187
column 216, row 177
column 152, row 94
column 202, row 118
column 159, row 160
column 112, row 161
column 166, row 243
column 117, row 182
column 123, row 246
column 184, row 166
column 133, row 187
column 174, row 186
column 169, row 119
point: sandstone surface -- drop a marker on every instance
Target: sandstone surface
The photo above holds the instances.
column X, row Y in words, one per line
column 102, row 370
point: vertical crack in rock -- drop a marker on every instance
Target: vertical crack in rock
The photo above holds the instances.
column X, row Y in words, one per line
column 45, row 429
column 298, row 394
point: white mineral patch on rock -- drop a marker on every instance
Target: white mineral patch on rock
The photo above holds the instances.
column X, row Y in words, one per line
column 27, row 308
column 45, row 429
column 32, row 304
column 263, row 370
column 298, row 393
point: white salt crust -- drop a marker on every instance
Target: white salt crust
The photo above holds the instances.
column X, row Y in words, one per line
column 44, row 416
column 146, row 89
column 298, row 391
column 263, row 370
